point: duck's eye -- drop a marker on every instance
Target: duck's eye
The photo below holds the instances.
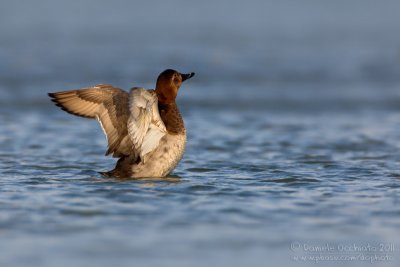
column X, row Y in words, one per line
column 176, row 78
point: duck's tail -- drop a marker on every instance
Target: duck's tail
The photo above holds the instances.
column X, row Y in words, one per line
column 121, row 170
column 108, row 174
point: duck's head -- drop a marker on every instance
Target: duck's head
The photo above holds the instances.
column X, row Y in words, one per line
column 168, row 83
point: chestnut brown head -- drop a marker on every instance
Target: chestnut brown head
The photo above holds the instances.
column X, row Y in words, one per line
column 168, row 83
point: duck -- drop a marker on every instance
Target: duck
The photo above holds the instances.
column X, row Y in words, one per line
column 143, row 127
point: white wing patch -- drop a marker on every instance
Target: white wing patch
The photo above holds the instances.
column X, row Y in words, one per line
column 145, row 126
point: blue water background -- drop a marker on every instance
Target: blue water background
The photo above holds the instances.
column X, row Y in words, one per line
column 293, row 133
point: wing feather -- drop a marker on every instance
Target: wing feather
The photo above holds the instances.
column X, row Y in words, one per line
column 109, row 105
column 145, row 127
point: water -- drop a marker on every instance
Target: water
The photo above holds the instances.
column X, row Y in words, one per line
column 293, row 134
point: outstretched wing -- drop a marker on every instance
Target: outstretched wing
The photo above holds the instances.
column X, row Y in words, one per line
column 145, row 126
column 109, row 105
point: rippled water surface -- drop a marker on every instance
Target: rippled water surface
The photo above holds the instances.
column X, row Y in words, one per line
column 293, row 135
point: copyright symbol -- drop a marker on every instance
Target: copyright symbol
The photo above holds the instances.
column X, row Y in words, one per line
column 295, row 246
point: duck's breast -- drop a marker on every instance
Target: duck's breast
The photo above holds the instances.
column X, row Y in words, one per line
column 164, row 158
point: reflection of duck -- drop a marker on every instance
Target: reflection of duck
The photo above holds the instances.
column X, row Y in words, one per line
column 144, row 128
